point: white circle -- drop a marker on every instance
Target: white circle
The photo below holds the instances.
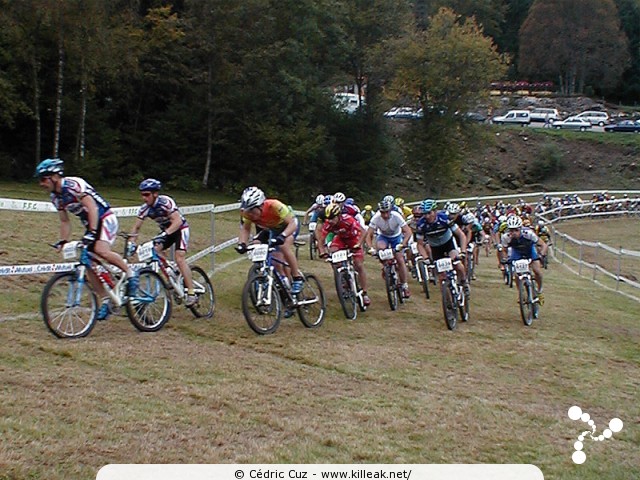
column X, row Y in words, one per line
column 615, row 425
column 581, row 437
column 601, row 437
column 578, row 445
column 575, row 412
column 585, row 417
column 607, row 433
column 591, row 423
column 578, row 457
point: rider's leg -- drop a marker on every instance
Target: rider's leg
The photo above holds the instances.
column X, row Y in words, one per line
column 537, row 273
column 183, row 266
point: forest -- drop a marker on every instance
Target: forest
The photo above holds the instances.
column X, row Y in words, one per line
column 221, row 94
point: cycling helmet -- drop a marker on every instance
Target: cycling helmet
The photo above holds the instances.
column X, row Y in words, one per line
column 453, row 208
column 428, row 205
column 502, row 227
column 514, row 222
column 339, row 197
column 150, row 185
column 469, row 218
column 332, row 211
column 389, row 198
column 384, row 206
column 541, row 223
column 417, row 210
column 48, row 167
column 251, row 197
column 349, row 201
column 399, row 201
column 327, row 200
column 320, row 199
column 463, row 204
column 502, row 218
column 368, row 208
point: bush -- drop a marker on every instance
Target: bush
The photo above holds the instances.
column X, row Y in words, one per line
column 549, row 162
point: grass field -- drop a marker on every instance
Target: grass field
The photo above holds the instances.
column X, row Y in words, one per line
column 390, row 387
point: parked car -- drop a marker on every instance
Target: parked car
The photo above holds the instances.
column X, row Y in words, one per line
column 573, row 123
column 403, row 112
column 518, row 117
column 544, row 115
column 475, row 117
column 595, row 118
column 348, row 102
column 624, row 126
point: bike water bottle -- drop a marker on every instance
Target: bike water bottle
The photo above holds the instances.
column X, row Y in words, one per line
column 106, row 278
column 287, row 283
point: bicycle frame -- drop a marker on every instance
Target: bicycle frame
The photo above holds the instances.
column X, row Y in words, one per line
column 526, row 286
column 147, row 253
column 343, row 260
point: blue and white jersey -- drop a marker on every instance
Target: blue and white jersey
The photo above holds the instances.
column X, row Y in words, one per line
column 522, row 245
column 73, row 190
column 161, row 211
column 437, row 233
column 391, row 227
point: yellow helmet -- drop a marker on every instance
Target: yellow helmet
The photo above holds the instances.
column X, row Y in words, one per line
column 399, row 201
column 332, row 211
column 368, row 208
column 502, row 227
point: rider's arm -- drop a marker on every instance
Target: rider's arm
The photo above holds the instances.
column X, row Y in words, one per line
column 368, row 236
column 291, row 227
column 136, row 226
column 176, row 223
column 462, row 239
column 543, row 246
column 406, row 230
column 245, row 231
column 92, row 212
column 65, row 225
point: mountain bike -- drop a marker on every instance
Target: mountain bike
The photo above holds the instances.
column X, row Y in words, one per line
column 313, row 245
column 454, row 299
column 347, row 282
column 69, row 303
column 267, row 293
column 174, row 281
column 527, row 294
column 469, row 263
column 420, row 269
column 395, row 294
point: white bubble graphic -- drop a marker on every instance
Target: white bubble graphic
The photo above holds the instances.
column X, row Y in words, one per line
column 607, row 433
column 575, row 412
column 578, row 457
column 601, row 437
column 615, row 425
column 578, row 445
column 585, row 417
column 581, row 437
column 591, row 423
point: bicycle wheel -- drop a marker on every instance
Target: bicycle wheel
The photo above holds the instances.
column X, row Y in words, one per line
column 261, row 310
column 424, row 277
column 346, row 296
column 390, row 283
column 464, row 308
column 68, row 306
column 206, row 303
column 448, row 306
column 525, row 300
column 311, row 302
column 150, row 308
column 313, row 248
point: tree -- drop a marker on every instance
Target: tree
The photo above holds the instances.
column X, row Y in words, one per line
column 630, row 21
column 577, row 41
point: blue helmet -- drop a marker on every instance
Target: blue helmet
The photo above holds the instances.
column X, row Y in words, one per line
column 150, row 185
column 48, row 167
column 428, row 205
column 384, row 205
column 327, row 200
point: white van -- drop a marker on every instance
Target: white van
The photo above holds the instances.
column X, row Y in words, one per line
column 544, row 115
column 594, row 117
column 347, row 102
column 518, row 117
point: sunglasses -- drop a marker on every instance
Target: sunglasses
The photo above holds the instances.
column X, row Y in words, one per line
column 146, row 194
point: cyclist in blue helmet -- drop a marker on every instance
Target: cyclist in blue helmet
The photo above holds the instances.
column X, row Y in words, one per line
column 75, row 195
column 174, row 229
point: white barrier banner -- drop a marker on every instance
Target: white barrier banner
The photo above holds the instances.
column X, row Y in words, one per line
column 34, row 269
column 320, row 472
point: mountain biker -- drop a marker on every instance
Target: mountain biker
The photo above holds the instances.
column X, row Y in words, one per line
column 174, row 229
column 404, row 210
column 523, row 242
column 348, row 234
column 275, row 220
column 367, row 214
column 438, row 232
column 75, row 195
column 392, row 232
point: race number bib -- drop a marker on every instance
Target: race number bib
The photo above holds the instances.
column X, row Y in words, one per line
column 260, row 253
column 339, row 256
column 386, row 254
column 521, row 266
column 145, row 252
column 70, row 250
column 444, row 264
column 414, row 249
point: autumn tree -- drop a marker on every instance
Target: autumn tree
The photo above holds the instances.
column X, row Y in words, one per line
column 579, row 42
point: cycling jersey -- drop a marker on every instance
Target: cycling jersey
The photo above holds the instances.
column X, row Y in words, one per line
column 523, row 246
column 73, row 190
column 391, row 227
column 272, row 215
column 346, row 232
column 437, row 233
column 367, row 215
column 161, row 212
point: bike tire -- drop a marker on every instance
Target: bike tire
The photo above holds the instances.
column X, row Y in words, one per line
column 150, row 308
column 424, row 277
column 206, row 303
column 448, row 306
column 313, row 248
column 311, row 314
column 64, row 320
column 359, row 298
column 263, row 319
column 464, row 309
column 346, row 296
column 525, row 302
column 392, row 290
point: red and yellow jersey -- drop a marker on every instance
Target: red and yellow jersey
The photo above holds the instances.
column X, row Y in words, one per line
column 273, row 215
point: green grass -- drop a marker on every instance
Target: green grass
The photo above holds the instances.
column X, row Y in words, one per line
column 390, row 387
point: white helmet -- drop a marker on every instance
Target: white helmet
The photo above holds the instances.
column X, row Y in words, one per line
column 251, row 197
column 513, row 222
column 453, row 208
column 339, row 197
column 469, row 218
column 320, row 199
column 541, row 223
column 390, row 199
